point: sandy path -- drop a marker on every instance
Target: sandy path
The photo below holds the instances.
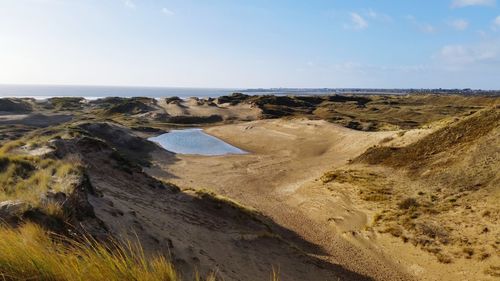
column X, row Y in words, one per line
column 279, row 179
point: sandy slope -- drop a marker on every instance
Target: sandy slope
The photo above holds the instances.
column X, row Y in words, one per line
column 198, row 233
column 194, row 107
column 279, row 179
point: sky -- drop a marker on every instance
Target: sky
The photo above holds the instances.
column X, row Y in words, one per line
column 252, row 43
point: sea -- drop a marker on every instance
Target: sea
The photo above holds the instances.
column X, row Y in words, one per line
column 95, row 92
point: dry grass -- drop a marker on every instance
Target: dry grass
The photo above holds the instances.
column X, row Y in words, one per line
column 420, row 213
column 442, row 182
column 28, row 253
column 26, row 177
column 445, row 139
column 375, row 187
column 379, row 113
column 9, row 146
column 493, row 271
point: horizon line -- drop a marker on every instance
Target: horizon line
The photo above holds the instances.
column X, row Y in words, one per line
column 240, row 88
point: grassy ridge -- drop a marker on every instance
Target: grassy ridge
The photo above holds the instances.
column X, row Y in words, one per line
column 445, row 139
column 25, row 177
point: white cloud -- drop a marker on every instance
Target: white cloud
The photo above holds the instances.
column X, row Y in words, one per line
column 357, row 22
column 496, row 23
column 457, row 56
column 378, row 16
column 129, row 4
column 167, row 12
column 466, row 3
column 459, row 24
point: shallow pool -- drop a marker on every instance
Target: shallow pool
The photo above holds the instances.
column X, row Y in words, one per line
column 195, row 141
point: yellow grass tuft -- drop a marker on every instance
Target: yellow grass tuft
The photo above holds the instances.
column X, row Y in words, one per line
column 25, row 177
column 9, row 146
column 29, row 253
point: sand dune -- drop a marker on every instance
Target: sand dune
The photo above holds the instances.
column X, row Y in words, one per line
column 278, row 178
column 334, row 187
column 282, row 177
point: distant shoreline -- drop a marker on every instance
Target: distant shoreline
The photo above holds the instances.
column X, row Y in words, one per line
column 96, row 92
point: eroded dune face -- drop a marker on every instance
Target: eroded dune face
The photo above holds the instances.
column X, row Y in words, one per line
column 339, row 187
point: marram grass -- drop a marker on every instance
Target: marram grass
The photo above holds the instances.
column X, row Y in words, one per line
column 29, row 253
column 26, row 178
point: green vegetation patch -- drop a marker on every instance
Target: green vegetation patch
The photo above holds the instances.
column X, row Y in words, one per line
column 66, row 103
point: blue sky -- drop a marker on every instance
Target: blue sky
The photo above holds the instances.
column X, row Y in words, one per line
column 251, row 43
